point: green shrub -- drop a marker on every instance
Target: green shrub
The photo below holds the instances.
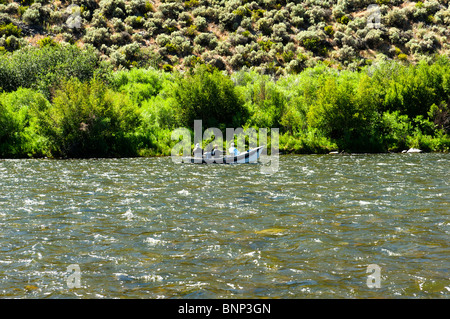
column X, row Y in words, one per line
column 36, row 14
column 112, row 8
column 345, row 111
column 170, row 9
column 206, row 40
column 311, row 43
column 345, row 54
column 21, row 10
column 86, row 119
column 396, row 129
column 200, row 23
column 185, row 19
column 12, row 43
column 47, row 41
column 397, row 18
column 192, row 61
column 413, row 89
column 135, row 22
column 97, row 36
column 170, row 25
column 315, row 45
column 191, row 31
column 329, row 30
column 265, row 25
column 135, row 7
column 280, row 33
column 7, row 130
column 158, row 113
column 10, row 29
column 210, row 97
column 265, row 45
column 128, row 55
column 374, row 38
column 344, row 19
column 32, row 15
column 138, row 84
column 41, row 68
column 99, row 20
column 311, row 142
column 27, row 2
column 18, row 134
column 257, row 14
column 402, row 57
column 387, row 106
column 267, row 105
column 440, row 115
column 167, row 68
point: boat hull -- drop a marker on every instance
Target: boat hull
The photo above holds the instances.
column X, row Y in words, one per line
column 250, row 156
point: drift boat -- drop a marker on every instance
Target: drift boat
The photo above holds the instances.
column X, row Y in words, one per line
column 251, row 156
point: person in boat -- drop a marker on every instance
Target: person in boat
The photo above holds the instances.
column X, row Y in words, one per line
column 216, row 152
column 198, row 151
column 233, row 150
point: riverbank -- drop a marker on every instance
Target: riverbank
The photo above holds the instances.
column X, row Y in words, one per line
column 73, row 105
column 280, row 153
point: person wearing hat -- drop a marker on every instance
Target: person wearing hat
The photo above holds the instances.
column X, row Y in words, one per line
column 216, row 152
column 198, row 151
column 233, row 150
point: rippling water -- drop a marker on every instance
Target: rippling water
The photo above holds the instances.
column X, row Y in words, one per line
column 149, row 228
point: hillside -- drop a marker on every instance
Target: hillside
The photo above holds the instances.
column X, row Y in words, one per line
column 273, row 37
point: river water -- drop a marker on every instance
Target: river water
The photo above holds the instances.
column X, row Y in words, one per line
column 150, row 228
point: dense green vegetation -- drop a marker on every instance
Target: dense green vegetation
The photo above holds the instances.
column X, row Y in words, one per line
column 73, row 104
column 115, row 77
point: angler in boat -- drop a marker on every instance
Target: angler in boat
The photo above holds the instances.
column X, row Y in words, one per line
column 216, row 152
column 233, row 150
column 198, row 151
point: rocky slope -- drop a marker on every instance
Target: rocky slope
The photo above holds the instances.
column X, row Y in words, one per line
column 274, row 37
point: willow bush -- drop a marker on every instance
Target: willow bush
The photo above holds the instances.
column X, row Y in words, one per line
column 210, row 97
column 88, row 119
column 19, row 133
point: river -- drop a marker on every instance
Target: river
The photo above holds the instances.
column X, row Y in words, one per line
column 150, row 228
